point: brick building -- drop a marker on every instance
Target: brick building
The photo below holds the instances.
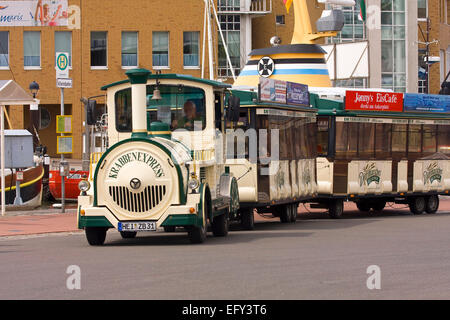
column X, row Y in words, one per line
column 105, row 38
column 434, row 29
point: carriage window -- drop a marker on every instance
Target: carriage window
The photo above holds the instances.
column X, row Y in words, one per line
column 383, row 140
column 346, row 140
column 181, row 107
column 322, row 135
column 366, row 139
column 123, row 110
column 444, row 139
column 429, row 139
column 399, row 138
column 415, row 138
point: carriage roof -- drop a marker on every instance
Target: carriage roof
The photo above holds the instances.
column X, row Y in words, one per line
column 329, row 107
column 174, row 76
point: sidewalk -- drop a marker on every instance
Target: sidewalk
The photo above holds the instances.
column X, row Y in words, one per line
column 40, row 221
column 50, row 220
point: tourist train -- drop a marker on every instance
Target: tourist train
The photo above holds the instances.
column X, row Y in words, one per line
column 192, row 153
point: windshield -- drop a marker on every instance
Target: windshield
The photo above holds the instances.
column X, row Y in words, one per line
column 181, row 107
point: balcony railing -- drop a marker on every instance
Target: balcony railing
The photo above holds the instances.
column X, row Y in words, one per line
column 245, row 7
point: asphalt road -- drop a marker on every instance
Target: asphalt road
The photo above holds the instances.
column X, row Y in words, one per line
column 316, row 258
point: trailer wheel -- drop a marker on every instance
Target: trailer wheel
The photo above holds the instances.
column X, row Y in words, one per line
column 247, row 219
column 432, row 204
column 285, row 213
column 96, row 235
column 336, row 209
column 294, row 208
column 128, row 234
column 417, row 205
column 363, row 205
column 379, row 206
column 220, row 225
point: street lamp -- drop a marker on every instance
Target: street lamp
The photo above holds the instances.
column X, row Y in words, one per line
column 34, row 114
column 34, row 88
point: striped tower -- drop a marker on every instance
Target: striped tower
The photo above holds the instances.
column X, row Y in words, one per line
column 302, row 61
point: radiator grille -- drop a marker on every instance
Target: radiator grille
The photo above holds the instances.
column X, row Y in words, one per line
column 137, row 201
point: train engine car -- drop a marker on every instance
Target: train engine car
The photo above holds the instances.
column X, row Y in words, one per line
column 162, row 169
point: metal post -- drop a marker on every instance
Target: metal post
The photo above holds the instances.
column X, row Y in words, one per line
column 63, row 188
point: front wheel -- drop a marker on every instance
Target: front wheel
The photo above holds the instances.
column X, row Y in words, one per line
column 432, row 204
column 96, row 235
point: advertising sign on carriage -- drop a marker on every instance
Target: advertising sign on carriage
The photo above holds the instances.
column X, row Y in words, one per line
column 373, row 101
column 297, row 94
column 433, row 103
column 272, row 90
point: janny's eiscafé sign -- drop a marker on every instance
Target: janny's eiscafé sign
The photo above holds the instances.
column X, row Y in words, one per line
column 33, row 13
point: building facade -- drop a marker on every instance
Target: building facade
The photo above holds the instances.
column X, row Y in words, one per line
column 106, row 38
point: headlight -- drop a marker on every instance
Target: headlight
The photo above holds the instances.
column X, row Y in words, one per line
column 193, row 183
column 84, row 185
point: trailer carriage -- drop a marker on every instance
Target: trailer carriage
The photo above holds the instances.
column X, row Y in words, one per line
column 398, row 154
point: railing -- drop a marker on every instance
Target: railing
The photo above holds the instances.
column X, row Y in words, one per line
column 246, row 7
column 95, row 158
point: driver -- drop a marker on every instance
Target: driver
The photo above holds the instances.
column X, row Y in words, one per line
column 189, row 118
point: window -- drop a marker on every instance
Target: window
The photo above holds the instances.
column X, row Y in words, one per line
column 63, row 43
column 443, row 139
column 44, row 118
column 422, row 9
column 161, row 49
column 180, row 107
column 129, row 49
column 32, row 49
column 415, row 138
column 191, row 49
column 231, row 26
column 99, row 45
column 4, row 49
column 280, row 20
column 322, row 135
column 123, row 111
column 393, row 45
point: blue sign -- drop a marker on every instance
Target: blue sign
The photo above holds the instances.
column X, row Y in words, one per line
column 432, row 103
column 297, row 94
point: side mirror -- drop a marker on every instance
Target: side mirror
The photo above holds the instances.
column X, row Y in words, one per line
column 91, row 118
column 234, row 106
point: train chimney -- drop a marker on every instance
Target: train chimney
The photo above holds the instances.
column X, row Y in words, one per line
column 138, row 79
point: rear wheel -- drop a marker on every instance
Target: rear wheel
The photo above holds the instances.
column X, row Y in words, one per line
column 128, row 234
column 432, row 204
column 336, row 209
column 285, row 213
column 378, row 205
column 96, row 235
column 247, row 219
column 417, row 205
column 220, row 225
column 363, row 205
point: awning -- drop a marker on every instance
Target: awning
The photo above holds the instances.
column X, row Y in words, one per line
column 10, row 94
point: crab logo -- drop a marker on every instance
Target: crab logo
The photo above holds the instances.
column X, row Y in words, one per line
column 266, row 67
column 135, row 183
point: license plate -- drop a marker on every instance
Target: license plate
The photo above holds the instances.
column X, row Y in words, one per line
column 137, row 226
